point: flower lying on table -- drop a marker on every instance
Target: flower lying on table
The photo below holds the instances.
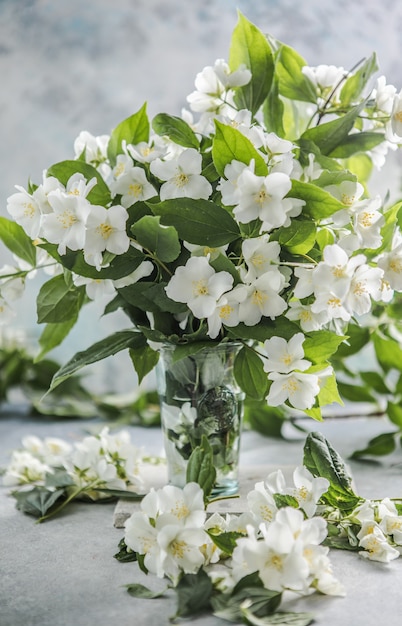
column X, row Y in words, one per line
column 237, row 566
column 253, row 222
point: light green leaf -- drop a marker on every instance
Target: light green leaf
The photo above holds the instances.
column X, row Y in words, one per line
column 354, row 84
column 99, row 195
column 198, row 221
column 299, row 237
column 17, row 241
column 280, row 618
column 273, row 110
column 58, row 302
column 394, row 412
column 249, row 373
column 388, row 352
column 140, row 591
column 319, row 203
column 320, row 345
column 132, row 130
column 102, row 349
column 163, row 241
column 250, row 47
column 230, row 144
column 176, row 129
column 293, row 83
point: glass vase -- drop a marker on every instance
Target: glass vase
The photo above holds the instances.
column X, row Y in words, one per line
column 199, row 396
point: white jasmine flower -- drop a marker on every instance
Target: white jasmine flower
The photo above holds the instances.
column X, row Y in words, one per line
column 141, row 536
column 368, row 222
column 226, row 313
column 285, row 356
column 94, row 148
column 304, row 286
column 262, row 197
column 326, row 78
column 375, row 545
column 186, row 504
column 25, row 210
column 66, row 225
column 308, row 490
column 261, row 503
column 396, row 115
column 262, row 298
column 144, row 269
column 366, row 283
column 384, row 95
column 298, row 388
column 391, row 264
column 25, row 468
column 133, row 186
column 259, row 255
column 229, row 188
column 207, row 251
column 181, row 549
column 77, row 185
column 308, row 320
column 146, row 152
column 199, row 286
column 12, row 285
column 95, row 288
column 348, row 192
column 183, row 176
column 237, row 78
column 335, row 272
column 105, row 230
column 209, row 94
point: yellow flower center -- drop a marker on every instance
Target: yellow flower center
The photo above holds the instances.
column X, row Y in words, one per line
column 259, row 297
column 262, row 196
column 334, row 302
column 257, row 260
column 135, row 189
column 178, row 548
column 180, row 510
column 74, row 192
column 225, row 311
column 200, row 287
column 305, row 316
column 396, row 266
column 398, row 116
column 266, row 512
column 119, row 170
column 29, row 209
column 346, row 199
column 338, row 271
column 291, row 385
column 366, row 219
column 181, row 180
column 67, row 219
column 359, row 289
column 276, row 562
column 105, row 230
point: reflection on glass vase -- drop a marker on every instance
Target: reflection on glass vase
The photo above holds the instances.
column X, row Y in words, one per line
column 199, row 396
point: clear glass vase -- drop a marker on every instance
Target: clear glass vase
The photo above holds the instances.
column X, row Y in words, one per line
column 199, row 396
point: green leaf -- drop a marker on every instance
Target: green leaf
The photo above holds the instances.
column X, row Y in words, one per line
column 99, row 194
column 226, row 541
column 248, row 592
column 394, row 412
column 58, row 302
column 163, row 241
column 320, row 345
column 104, row 348
column 120, row 493
column 38, row 501
column 200, row 467
column 321, row 459
column 330, row 135
column 354, row 84
column 230, row 144
column 358, row 337
column 273, row 110
column 125, row 554
column 193, row 594
column 140, row 591
column 176, row 129
column 17, row 241
column 198, row 221
column 293, row 83
column 299, row 237
column 375, row 381
column 53, row 335
column 378, row 446
column 388, row 352
column 354, row 393
column 59, row 478
column 132, row 130
column 357, row 142
column 319, row 203
column 282, row 500
column 249, row 373
column 144, row 360
column 284, row 619
column 250, row 47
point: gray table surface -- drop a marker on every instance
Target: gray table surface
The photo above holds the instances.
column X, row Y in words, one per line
column 62, row 573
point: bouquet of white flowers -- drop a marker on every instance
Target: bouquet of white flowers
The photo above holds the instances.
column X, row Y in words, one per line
column 251, row 223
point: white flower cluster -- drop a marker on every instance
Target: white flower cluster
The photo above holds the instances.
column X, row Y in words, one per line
column 173, row 536
column 108, row 461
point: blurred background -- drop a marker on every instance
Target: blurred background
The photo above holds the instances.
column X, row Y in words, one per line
column 72, row 66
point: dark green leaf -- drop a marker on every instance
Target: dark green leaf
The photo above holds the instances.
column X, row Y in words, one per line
column 226, row 541
column 53, row 335
column 200, row 467
column 321, row 459
column 282, row 500
column 120, row 493
column 355, row 393
column 299, row 237
column 140, row 591
column 357, row 142
column 38, row 501
column 162, row 241
column 176, row 129
column 193, row 594
column 125, row 554
column 330, row 135
column 121, row 340
column 60, row 478
column 378, row 446
column 144, row 360
column 249, row 373
column 198, row 221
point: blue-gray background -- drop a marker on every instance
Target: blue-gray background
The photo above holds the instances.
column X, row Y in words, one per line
column 72, row 65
